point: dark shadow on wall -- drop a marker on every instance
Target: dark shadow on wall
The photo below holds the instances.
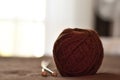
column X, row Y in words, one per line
column 102, row 27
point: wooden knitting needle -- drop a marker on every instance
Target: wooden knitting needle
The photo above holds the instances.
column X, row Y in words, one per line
column 54, row 74
column 44, row 73
column 44, row 65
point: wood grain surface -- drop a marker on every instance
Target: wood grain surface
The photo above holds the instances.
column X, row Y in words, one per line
column 30, row 69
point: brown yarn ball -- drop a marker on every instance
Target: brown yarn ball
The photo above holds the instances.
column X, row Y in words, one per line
column 78, row 52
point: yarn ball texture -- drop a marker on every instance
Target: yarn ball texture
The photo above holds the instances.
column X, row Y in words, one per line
column 78, row 52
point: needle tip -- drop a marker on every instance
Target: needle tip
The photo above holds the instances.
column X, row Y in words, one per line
column 44, row 74
column 54, row 74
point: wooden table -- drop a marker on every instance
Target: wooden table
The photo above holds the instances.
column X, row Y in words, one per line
column 30, row 69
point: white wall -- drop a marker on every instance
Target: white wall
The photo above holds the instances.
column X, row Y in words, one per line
column 111, row 45
column 62, row 14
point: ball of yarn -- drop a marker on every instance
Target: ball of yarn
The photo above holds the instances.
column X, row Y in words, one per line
column 78, row 52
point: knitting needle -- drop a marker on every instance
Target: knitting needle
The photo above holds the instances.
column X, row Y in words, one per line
column 44, row 65
column 50, row 71
column 44, row 73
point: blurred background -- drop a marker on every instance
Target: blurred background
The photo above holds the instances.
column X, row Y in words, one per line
column 29, row 28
